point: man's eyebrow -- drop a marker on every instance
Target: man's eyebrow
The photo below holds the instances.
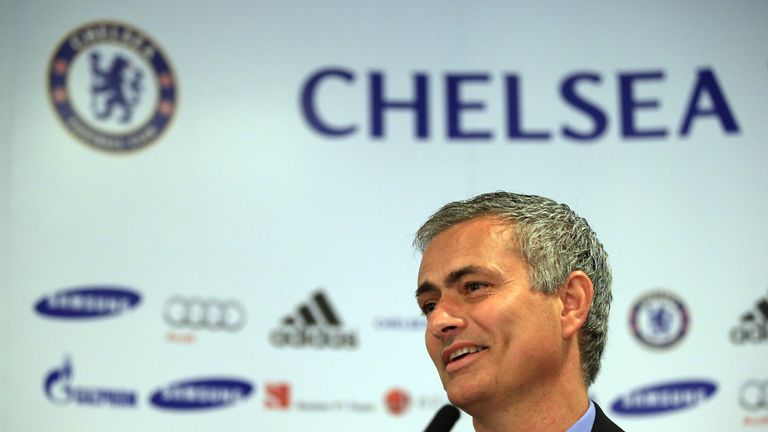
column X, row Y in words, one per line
column 424, row 288
column 451, row 279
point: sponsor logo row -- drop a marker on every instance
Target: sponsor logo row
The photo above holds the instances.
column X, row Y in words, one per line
column 207, row 393
column 214, row 392
column 658, row 319
column 314, row 324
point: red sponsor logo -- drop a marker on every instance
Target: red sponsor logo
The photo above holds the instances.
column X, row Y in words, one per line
column 278, row 396
column 397, row 401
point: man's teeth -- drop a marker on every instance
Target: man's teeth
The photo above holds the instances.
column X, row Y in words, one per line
column 465, row 350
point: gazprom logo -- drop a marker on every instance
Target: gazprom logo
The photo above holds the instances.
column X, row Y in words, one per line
column 88, row 302
column 59, row 389
column 204, row 393
column 666, row 397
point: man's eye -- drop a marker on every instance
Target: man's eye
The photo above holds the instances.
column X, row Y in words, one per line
column 427, row 307
column 474, row 286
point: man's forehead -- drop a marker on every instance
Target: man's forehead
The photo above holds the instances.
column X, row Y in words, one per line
column 477, row 243
column 473, row 232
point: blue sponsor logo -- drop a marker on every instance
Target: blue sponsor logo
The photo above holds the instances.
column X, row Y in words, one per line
column 199, row 394
column 400, row 323
column 59, row 390
column 84, row 303
column 663, row 398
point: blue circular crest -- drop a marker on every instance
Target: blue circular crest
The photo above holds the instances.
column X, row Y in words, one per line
column 659, row 319
column 112, row 87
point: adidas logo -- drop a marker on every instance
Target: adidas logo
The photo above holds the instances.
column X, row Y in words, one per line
column 315, row 324
column 754, row 325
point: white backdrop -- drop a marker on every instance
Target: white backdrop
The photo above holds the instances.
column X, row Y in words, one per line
column 241, row 199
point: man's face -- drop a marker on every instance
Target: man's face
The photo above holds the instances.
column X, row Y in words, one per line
column 489, row 335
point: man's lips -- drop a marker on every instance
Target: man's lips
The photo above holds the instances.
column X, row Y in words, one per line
column 460, row 350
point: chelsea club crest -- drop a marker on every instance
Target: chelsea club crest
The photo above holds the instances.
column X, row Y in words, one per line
column 112, row 86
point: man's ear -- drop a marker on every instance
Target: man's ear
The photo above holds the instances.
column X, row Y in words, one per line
column 576, row 295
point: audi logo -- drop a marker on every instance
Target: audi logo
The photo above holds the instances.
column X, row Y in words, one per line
column 209, row 314
column 754, row 395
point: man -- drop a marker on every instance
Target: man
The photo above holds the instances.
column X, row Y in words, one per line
column 516, row 290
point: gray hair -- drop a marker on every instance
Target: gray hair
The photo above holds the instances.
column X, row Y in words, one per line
column 554, row 241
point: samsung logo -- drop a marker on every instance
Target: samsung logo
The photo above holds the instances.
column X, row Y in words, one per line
column 664, row 397
column 85, row 302
column 200, row 394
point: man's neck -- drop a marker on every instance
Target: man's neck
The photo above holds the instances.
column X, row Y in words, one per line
column 555, row 410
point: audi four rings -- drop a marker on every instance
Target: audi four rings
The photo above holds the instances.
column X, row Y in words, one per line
column 754, row 395
column 208, row 314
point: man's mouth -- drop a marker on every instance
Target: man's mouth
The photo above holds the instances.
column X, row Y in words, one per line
column 463, row 352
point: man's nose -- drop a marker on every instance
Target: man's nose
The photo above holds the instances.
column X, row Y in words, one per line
column 446, row 318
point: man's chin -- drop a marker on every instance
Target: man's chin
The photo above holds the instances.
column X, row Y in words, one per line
column 464, row 395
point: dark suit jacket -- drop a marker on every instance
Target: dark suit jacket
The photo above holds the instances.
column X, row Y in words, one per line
column 603, row 423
